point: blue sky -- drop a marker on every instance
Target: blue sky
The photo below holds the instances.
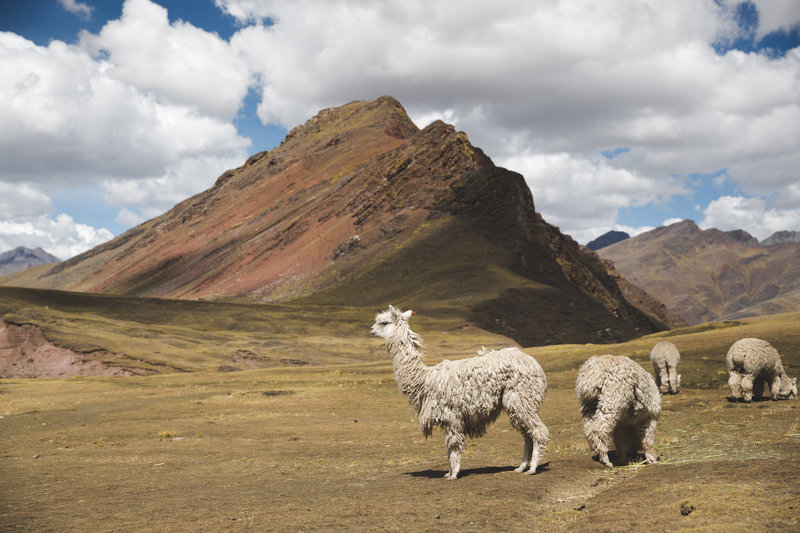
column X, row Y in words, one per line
column 622, row 115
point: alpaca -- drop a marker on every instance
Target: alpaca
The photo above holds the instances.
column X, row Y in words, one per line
column 464, row 397
column 754, row 365
column 665, row 358
column 619, row 401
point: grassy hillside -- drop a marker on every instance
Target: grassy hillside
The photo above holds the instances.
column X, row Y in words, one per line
column 335, row 447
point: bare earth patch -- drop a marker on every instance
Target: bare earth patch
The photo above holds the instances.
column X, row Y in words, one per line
column 26, row 353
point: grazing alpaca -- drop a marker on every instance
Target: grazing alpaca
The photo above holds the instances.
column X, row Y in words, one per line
column 464, row 397
column 755, row 366
column 619, row 402
column 665, row 358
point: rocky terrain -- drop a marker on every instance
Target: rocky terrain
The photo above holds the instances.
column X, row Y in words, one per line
column 21, row 258
column 707, row 275
column 359, row 207
column 607, row 239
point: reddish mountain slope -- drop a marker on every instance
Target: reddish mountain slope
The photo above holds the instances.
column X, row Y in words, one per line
column 710, row 275
column 359, row 207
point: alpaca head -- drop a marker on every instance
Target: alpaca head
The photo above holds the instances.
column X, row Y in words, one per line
column 788, row 388
column 387, row 322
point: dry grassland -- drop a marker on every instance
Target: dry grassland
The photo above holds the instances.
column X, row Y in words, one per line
column 334, row 447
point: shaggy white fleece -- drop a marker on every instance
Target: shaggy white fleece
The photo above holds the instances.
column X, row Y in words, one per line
column 665, row 358
column 619, row 402
column 463, row 397
column 753, row 366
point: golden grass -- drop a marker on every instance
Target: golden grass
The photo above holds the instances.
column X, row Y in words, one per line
column 334, row 446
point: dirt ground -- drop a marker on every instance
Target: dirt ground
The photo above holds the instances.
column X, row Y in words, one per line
column 336, row 448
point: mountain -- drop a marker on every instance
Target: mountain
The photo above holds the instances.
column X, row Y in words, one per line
column 706, row 275
column 781, row 237
column 607, row 239
column 21, row 258
column 359, row 207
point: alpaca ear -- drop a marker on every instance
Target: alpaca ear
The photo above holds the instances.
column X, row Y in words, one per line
column 408, row 314
column 393, row 310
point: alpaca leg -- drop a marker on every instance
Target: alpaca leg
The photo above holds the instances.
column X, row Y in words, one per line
column 775, row 387
column 596, row 430
column 735, row 384
column 673, row 380
column 539, row 435
column 622, row 443
column 747, row 387
column 648, row 432
column 525, row 420
column 526, row 454
column 455, row 445
column 663, row 380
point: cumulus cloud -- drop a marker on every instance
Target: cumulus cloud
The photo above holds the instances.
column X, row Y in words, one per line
column 79, row 8
column 22, row 201
column 540, row 84
column 752, row 214
column 61, row 236
column 145, row 106
column 178, row 62
column 581, row 195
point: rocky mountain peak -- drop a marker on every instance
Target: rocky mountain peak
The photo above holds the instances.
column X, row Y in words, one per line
column 22, row 258
column 359, row 207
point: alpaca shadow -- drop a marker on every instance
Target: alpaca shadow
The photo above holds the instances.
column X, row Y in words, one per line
column 486, row 470
column 632, row 458
column 756, row 399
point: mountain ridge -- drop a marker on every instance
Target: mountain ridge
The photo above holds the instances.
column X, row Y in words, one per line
column 707, row 275
column 359, row 207
column 22, row 258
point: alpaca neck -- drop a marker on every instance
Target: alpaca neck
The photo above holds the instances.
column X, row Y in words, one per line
column 409, row 370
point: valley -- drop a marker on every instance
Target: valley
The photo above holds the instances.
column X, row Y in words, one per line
column 334, row 446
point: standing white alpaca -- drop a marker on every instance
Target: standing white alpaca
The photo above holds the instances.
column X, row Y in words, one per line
column 619, row 401
column 464, row 397
column 665, row 358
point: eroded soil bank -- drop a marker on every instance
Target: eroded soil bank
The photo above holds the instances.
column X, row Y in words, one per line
column 26, row 353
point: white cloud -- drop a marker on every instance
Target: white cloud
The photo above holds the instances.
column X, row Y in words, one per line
column 583, row 195
column 177, row 62
column 67, row 119
column 776, row 15
column 128, row 218
column 145, row 106
column 535, row 82
column 754, row 215
column 81, row 9
column 22, row 202
column 62, row 236
column 154, row 196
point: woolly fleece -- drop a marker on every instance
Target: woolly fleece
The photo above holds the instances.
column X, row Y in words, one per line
column 755, row 366
column 620, row 403
column 463, row 397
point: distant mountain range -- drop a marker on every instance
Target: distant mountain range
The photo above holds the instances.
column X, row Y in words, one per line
column 358, row 207
column 707, row 275
column 781, row 237
column 22, row 258
column 607, row 239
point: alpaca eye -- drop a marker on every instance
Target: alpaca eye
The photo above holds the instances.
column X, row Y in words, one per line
column 384, row 323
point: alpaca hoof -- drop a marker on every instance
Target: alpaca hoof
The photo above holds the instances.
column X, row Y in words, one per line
column 450, row 476
column 531, row 472
column 521, row 468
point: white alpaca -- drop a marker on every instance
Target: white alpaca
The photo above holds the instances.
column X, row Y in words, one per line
column 464, row 397
column 619, row 401
column 754, row 365
column 665, row 358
